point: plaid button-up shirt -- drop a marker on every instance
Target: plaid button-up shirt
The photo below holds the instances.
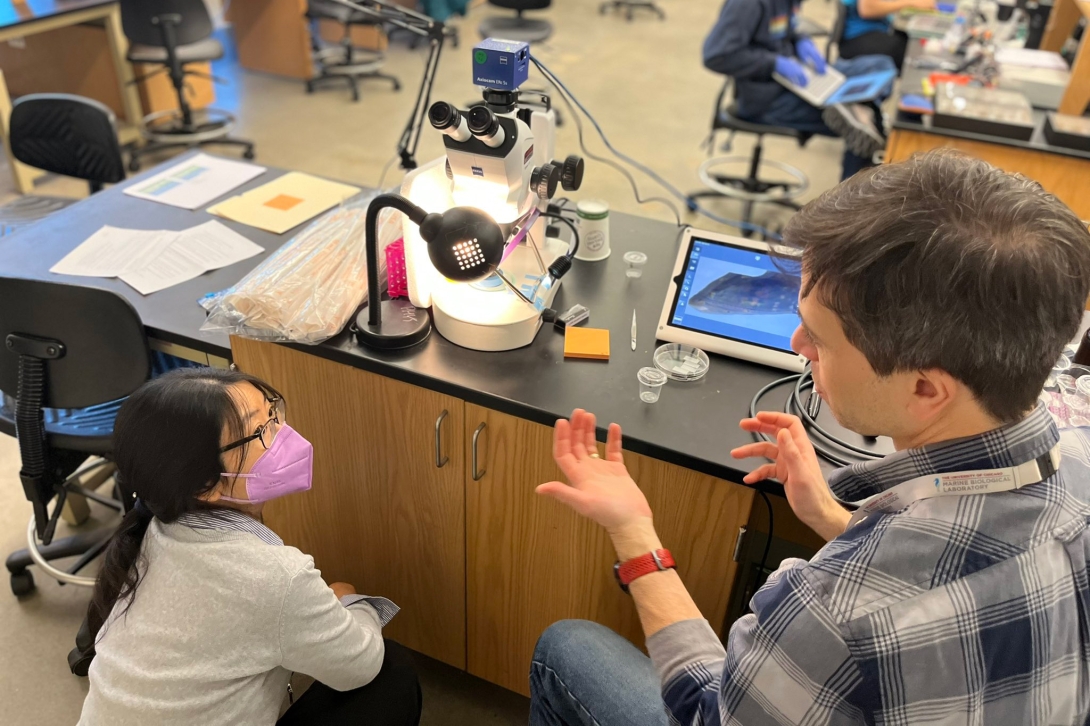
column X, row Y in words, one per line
column 955, row 610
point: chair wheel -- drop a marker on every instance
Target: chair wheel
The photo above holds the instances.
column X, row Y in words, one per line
column 397, row 85
column 310, row 87
column 22, row 583
column 249, row 153
column 134, row 165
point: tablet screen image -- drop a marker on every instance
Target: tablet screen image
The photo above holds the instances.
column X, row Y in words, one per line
column 738, row 293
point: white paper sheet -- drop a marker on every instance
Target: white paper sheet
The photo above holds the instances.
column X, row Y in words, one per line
column 106, row 253
column 195, row 182
column 152, row 260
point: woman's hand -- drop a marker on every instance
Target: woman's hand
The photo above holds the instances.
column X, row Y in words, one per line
column 795, row 464
column 340, row 589
column 599, row 489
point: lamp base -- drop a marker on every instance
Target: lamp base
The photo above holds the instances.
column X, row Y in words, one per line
column 403, row 326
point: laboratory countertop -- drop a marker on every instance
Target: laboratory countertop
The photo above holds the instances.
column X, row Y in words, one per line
column 693, row 424
column 912, row 82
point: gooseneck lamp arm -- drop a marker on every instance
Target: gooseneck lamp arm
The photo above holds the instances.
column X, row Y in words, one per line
column 383, row 201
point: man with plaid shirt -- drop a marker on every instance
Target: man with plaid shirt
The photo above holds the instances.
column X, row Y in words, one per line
column 936, row 295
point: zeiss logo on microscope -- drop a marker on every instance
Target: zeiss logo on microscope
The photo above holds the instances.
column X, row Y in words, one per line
column 477, row 171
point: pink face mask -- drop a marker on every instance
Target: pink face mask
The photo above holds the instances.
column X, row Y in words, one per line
column 286, row 467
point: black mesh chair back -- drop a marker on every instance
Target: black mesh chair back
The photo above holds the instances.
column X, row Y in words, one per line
column 521, row 5
column 138, row 20
column 69, row 135
column 64, row 347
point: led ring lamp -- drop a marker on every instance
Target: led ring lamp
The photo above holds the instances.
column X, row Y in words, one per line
column 464, row 245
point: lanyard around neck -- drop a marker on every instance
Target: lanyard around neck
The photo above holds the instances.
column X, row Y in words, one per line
column 957, row 483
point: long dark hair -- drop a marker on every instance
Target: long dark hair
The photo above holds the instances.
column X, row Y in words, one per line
column 166, row 445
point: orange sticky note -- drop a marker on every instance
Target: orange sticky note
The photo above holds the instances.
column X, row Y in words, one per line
column 283, row 202
column 590, row 343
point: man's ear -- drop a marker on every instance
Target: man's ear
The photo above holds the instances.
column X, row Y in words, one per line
column 934, row 391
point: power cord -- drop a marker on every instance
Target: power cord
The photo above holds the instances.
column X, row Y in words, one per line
column 566, row 93
column 768, row 540
column 609, row 162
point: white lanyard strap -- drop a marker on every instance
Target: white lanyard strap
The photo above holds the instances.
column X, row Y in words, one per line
column 956, row 483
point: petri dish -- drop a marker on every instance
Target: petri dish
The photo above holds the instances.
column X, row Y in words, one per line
column 681, row 362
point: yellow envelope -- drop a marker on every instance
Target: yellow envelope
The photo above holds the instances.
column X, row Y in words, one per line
column 285, row 202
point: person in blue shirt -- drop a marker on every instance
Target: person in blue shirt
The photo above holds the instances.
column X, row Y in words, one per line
column 753, row 39
column 868, row 28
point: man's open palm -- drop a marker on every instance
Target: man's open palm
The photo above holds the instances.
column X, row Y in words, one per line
column 598, row 488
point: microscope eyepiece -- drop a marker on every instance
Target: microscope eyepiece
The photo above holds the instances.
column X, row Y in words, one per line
column 482, row 122
column 448, row 119
column 443, row 115
column 485, row 126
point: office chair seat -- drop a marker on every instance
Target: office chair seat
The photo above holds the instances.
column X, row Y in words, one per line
column 728, row 119
column 208, row 49
column 527, row 30
column 87, row 430
column 28, row 209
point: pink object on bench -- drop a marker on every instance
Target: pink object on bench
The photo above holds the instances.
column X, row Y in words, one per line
column 397, row 279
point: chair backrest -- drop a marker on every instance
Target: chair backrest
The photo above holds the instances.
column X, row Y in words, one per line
column 105, row 348
column 521, row 5
column 837, row 33
column 68, row 135
column 137, row 20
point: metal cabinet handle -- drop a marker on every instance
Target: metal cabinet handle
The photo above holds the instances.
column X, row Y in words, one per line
column 440, row 460
column 477, row 474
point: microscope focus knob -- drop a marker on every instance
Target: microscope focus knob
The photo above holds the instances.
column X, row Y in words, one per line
column 571, row 173
column 544, row 180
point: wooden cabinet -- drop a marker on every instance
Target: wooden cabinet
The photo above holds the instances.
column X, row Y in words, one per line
column 381, row 515
column 532, row 561
column 478, row 562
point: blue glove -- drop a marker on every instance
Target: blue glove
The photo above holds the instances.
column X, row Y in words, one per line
column 790, row 69
column 808, row 53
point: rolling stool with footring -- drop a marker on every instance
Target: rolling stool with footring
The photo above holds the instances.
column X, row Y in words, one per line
column 750, row 189
column 174, row 34
column 70, row 356
column 518, row 28
column 344, row 63
column 630, row 6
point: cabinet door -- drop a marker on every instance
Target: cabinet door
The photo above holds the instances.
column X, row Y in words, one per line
column 381, row 515
column 532, row 561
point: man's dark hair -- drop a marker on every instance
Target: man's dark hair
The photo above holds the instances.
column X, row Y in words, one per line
column 944, row 261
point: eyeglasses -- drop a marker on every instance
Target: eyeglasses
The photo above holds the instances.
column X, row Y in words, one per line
column 266, row 433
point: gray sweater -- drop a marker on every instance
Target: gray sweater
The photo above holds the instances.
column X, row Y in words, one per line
column 222, row 616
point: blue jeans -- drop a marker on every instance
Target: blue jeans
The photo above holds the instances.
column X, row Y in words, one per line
column 584, row 674
column 794, row 112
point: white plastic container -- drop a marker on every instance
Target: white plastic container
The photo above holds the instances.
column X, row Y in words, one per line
column 593, row 230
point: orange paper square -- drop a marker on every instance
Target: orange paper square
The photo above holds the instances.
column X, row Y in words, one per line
column 590, row 343
column 283, row 202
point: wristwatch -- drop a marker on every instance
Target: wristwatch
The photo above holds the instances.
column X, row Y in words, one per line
column 656, row 561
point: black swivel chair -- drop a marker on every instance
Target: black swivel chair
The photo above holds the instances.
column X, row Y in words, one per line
column 630, row 6
column 175, row 34
column 344, row 63
column 70, row 354
column 61, row 134
column 527, row 30
column 750, row 189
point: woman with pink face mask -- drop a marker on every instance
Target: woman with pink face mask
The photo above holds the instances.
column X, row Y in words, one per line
column 201, row 614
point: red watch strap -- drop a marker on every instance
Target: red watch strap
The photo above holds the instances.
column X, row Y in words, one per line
column 656, row 561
